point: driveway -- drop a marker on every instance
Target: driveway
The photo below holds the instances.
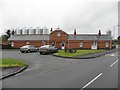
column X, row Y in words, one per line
column 43, row 63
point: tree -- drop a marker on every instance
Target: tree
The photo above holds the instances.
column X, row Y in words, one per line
column 8, row 33
column 4, row 38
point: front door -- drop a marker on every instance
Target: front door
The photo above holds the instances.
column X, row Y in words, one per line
column 62, row 45
column 94, row 45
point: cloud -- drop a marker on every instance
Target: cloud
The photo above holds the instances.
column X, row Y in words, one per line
column 86, row 17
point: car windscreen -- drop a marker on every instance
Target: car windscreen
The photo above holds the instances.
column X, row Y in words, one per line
column 25, row 46
column 46, row 46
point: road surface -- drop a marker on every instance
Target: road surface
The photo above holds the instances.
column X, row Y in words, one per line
column 46, row 71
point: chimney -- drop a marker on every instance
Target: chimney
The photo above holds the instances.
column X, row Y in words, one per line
column 99, row 32
column 74, row 31
column 51, row 30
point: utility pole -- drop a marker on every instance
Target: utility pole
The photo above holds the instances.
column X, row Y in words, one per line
column 113, row 32
column 113, row 36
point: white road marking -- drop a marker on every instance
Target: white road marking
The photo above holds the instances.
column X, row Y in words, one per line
column 112, row 55
column 91, row 81
column 107, row 54
column 28, row 69
column 61, row 58
column 114, row 63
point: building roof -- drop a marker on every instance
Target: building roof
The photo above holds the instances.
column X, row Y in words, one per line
column 70, row 37
column 29, row 37
column 89, row 37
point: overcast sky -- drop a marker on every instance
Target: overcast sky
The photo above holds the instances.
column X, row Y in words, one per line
column 87, row 16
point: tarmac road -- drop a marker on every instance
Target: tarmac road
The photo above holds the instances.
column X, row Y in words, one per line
column 46, row 71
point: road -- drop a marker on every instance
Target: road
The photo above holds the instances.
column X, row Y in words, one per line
column 47, row 71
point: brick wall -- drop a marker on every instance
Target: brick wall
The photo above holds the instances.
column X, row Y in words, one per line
column 37, row 43
column 59, row 36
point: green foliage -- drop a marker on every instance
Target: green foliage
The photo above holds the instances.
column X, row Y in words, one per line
column 10, row 62
column 79, row 52
column 4, row 38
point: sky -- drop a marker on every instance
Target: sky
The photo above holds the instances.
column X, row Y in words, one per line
column 86, row 16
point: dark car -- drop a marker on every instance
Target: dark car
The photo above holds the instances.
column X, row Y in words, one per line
column 28, row 48
column 47, row 49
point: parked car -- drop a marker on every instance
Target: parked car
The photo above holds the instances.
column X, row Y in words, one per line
column 47, row 49
column 28, row 48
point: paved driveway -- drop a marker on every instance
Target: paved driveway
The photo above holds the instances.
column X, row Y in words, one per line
column 36, row 61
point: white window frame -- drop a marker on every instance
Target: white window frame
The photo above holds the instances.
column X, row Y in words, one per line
column 12, row 44
column 81, row 44
column 106, row 44
column 53, row 44
column 27, row 42
column 58, row 34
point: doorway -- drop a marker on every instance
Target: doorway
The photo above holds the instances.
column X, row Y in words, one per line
column 94, row 45
column 62, row 45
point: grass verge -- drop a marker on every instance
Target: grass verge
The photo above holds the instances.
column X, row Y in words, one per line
column 79, row 52
column 10, row 62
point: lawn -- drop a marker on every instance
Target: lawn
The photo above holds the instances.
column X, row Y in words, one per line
column 10, row 62
column 79, row 52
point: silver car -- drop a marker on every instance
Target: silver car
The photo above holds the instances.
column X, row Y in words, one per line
column 47, row 49
column 28, row 48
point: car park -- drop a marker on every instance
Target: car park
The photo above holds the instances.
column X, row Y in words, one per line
column 47, row 49
column 28, row 49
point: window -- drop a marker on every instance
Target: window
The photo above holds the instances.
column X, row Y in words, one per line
column 27, row 42
column 63, row 44
column 94, row 43
column 106, row 44
column 53, row 44
column 58, row 34
column 12, row 44
column 81, row 44
column 32, row 47
column 43, row 42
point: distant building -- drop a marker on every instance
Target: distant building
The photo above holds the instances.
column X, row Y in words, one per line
column 62, row 40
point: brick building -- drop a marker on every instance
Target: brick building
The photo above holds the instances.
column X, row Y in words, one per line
column 62, row 40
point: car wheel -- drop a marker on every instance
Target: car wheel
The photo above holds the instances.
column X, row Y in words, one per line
column 22, row 51
column 41, row 53
column 28, row 51
column 50, row 52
